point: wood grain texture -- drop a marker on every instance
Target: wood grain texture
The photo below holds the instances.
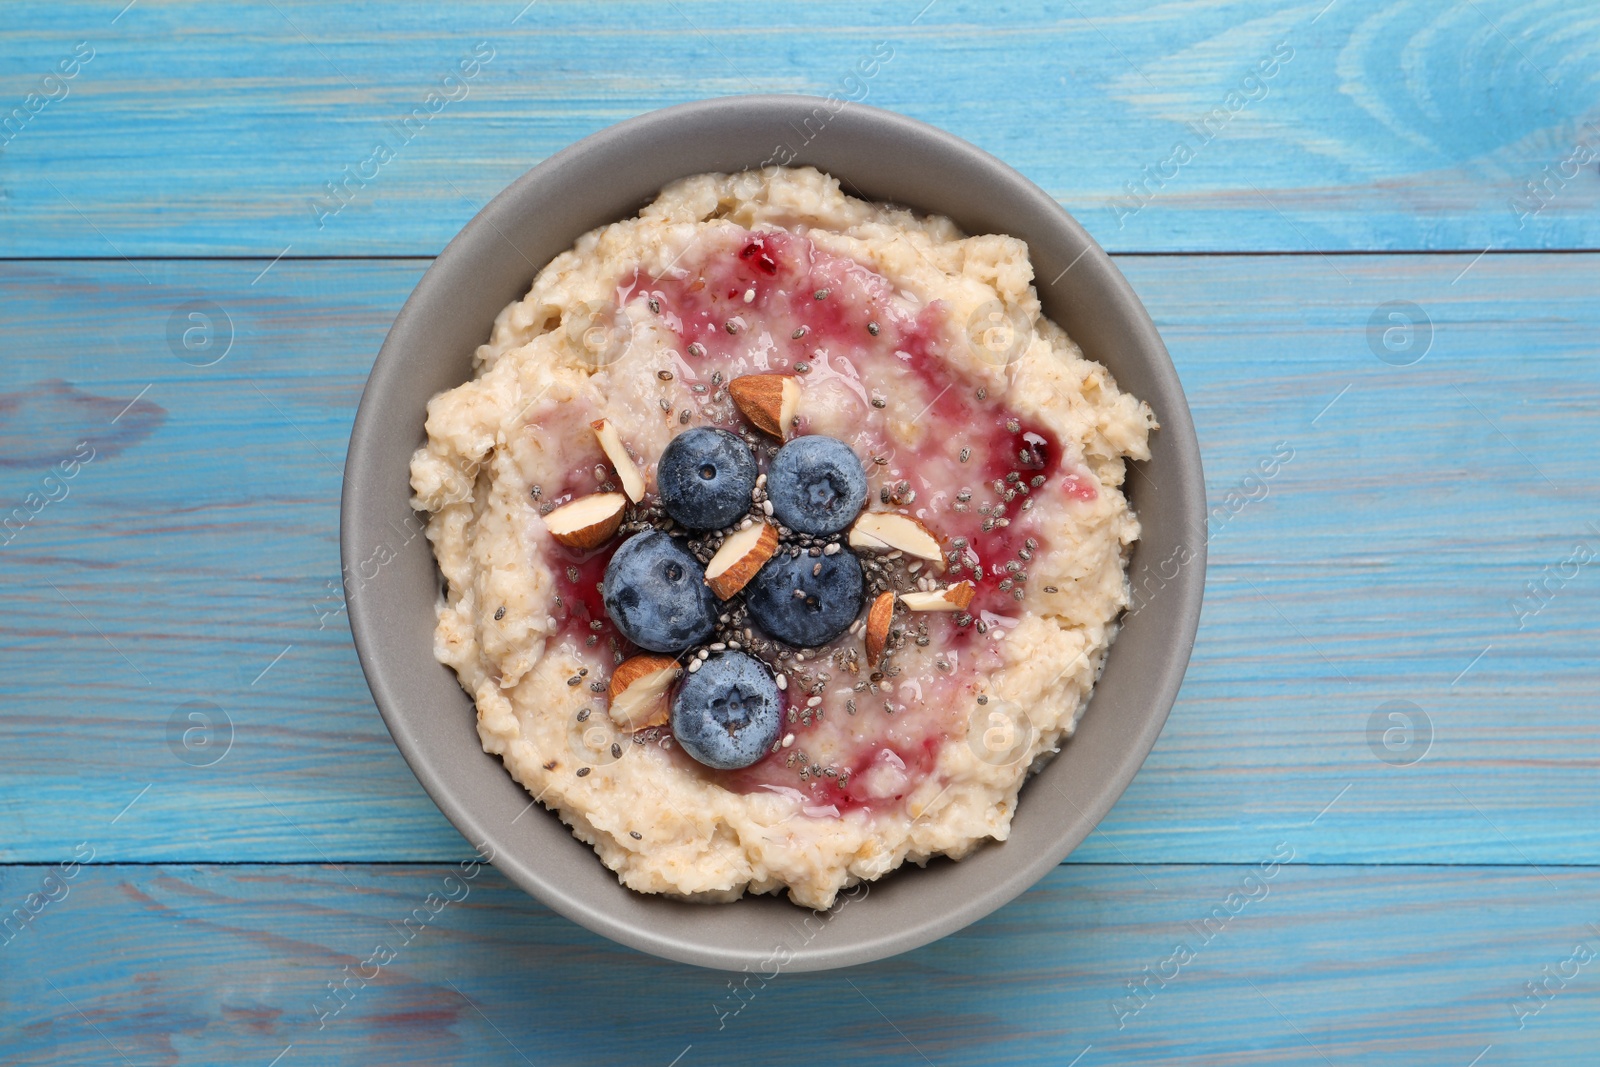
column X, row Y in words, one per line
column 1308, row 966
column 1382, row 125
column 192, row 559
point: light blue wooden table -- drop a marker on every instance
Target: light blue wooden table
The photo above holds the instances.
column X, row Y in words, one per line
column 1378, row 252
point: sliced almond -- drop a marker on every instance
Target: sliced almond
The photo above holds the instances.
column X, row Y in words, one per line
column 768, row 401
column 951, row 598
column 627, row 470
column 889, row 531
column 639, row 690
column 878, row 618
column 740, row 556
column 587, row 522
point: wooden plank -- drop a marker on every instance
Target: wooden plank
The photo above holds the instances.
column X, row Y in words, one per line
column 191, row 561
column 1362, row 125
column 1307, row 966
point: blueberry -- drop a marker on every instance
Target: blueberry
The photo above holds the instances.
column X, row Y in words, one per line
column 830, row 597
column 705, row 477
column 816, row 485
column 727, row 714
column 656, row 594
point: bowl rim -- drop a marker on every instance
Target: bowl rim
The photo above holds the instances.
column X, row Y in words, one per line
column 1184, row 592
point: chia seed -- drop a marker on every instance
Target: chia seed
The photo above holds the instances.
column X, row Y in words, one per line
column 499, row 613
column 820, row 294
column 582, row 771
column 966, row 454
column 583, row 716
column 879, row 402
column 872, row 328
column 664, row 375
column 983, row 394
column 696, row 349
column 636, row 835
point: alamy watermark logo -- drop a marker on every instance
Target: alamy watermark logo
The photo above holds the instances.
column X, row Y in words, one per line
column 997, row 334
column 354, row 977
column 1552, row 579
column 200, row 333
column 753, row 980
column 1399, row 733
column 999, row 732
column 354, row 177
column 1152, row 979
column 853, row 89
column 1199, row 132
column 53, row 486
column 1553, row 981
column 1399, row 332
column 53, row 889
column 199, row 733
column 1541, row 190
column 56, row 85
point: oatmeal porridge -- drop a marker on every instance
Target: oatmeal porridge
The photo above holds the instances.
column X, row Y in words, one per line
column 782, row 536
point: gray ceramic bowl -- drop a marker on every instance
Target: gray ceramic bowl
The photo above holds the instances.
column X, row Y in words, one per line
column 607, row 177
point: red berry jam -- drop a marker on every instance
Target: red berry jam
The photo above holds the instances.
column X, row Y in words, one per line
column 872, row 360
